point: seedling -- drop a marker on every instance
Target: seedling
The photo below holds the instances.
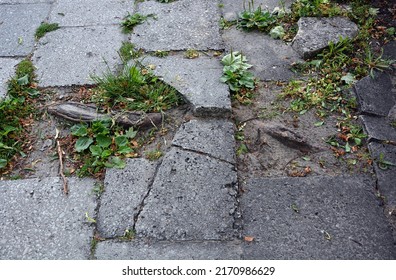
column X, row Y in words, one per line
column 130, row 21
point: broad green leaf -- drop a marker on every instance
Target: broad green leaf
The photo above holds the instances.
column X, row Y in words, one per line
column 83, row 143
column 95, row 150
column 121, row 140
column 101, row 127
column 131, row 133
column 79, row 130
column 23, row 81
column 3, row 162
column 8, row 129
column 318, row 123
column 277, row 32
column 106, row 154
column 347, row 147
column 348, row 79
column 124, row 150
column 118, row 163
column 103, row 140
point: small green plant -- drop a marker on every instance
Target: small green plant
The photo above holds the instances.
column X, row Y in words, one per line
column 101, row 145
column 128, row 52
column 258, row 19
column 153, row 155
column 165, row 1
column 44, row 28
column 129, row 234
column 377, row 63
column 190, row 53
column 235, row 72
column 130, row 21
column 160, row 53
column 315, row 8
column 98, row 189
column 384, row 164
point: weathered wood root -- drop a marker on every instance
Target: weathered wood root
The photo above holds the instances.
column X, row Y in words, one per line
column 78, row 112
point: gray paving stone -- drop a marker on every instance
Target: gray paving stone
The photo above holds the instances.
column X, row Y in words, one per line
column 375, row 96
column 390, row 50
column 7, row 71
column 192, row 198
column 386, row 174
column 213, row 137
column 165, row 250
column 18, row 23
column 379, row 128
column 124, row 192
column 315, row 218
column 271, row 59
column 314, row 34
column 180, row 25
column 40, row 222
column 25, row 1
column 232, row 8
column 90, row 12
column 198, row 80
column 69, row 56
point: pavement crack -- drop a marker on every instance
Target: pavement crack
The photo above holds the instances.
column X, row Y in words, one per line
column 203, row 154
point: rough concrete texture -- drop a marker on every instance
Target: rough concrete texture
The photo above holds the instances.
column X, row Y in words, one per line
column 25, row 1
column 18, row 23
column 386, row 173
column 212, row 137
column 314, row 34
column 90, row 12
column 70, row 56
column 179, row 25
column 7, row 71
column 193, row 197
column 315, row 218
column 271, row 59
column 390, row 50
column 39, row 222
column 375, row 96
column 125, row 190
column 165, row 250
column 198, row 80
column 232, row 8
column 379, row 128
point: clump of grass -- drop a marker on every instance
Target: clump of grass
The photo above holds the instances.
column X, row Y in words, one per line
column 128, row 52
column 44, row 28
column 160, row 53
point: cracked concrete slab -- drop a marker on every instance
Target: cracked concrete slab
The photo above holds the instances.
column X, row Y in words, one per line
column 125, row 190
column 315, row 34
column 179, row 25
column 165, row 250
column 385, row 170
column 193, row 197
column 18, row 24
column 271, row 59
column 379, row 128
column 82, row 52
column 198, row 80
column 40, row 222
column 375, row 96
column 232, row 8
column 90, row 12
column 315, row 218
column 7, row 71
column 212, row 137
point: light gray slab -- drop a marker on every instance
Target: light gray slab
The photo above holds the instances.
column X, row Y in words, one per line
column 90, row 12
column 375, row 95
column 379, row 128
column 198, row 80
column 212, row 137
column 70, row 56
column 271, row 59
column 193, row 198
column 165, row 250
column 25, row 1
column 124, row 193
column 386, row 173
column 39, row 222
column 314, row 34
column 232, row 8
column 7, row 71
column 18, row 23
column 179, row 25
column 315, row 218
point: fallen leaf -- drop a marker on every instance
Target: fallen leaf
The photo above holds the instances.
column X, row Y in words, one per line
column 248, row 238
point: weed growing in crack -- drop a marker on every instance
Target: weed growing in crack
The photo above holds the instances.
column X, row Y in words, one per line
column 130, row 21
column 258, row 19
column 128, row 52
column 44, row 28
column 154, row 154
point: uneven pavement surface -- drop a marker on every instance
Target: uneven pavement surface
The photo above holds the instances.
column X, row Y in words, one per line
column 189, row 204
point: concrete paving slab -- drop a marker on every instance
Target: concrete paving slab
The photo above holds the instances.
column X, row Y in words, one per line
column 271, row 59
column 125, row 190
column 314, row 34
column 90, row 12
column 193, row 198
column 390, row 50
column 315, row 218
column 379, row 128
column 40, row 222
column 179, row 25
column 18, row 23
column 386, row 174
column 198, row 80
column 232, row 8
column 165, row 250
column 25, row 1
column 375, row 96
column 7, row 71
column 70, row 56
column 212, row 137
